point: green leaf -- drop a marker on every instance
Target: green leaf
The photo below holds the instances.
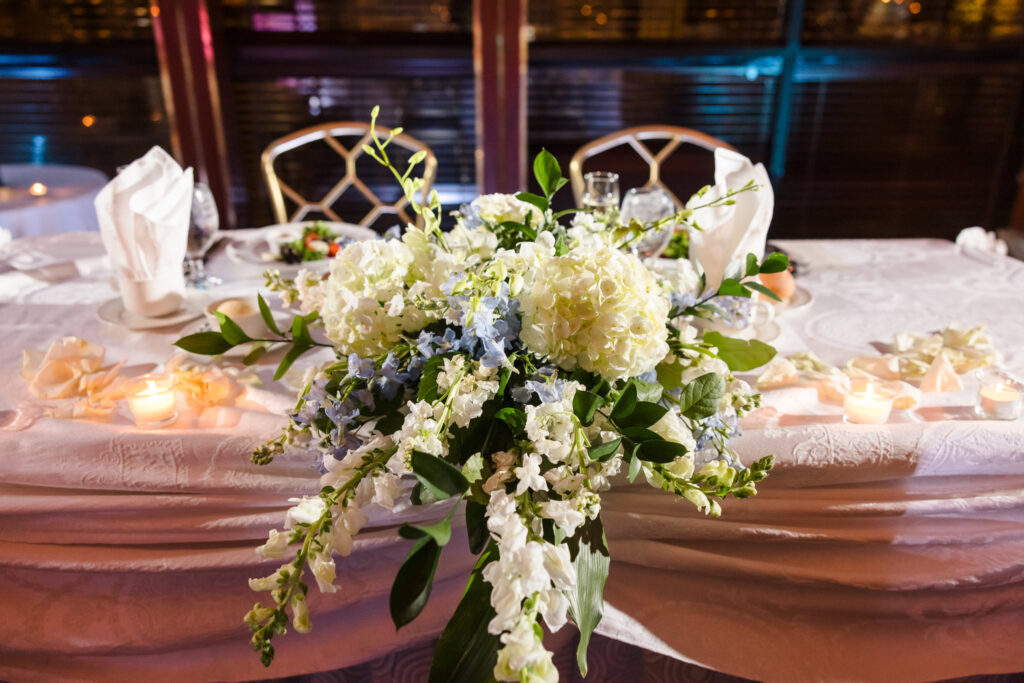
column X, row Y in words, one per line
column 660, row 451
column 411, row 589
column 738, row 354
column 752, row 268
column 466, row 651
column 513, row 417
column 644, row 415
column 205, row 343
column 604, row 451
column 427, row 389
column 730, row 287
column 230, row 330
column 254, row 355
column 473, row 468
column 547, row 172
column 774, row 263
column 639, row 434
column 297, row 349
column 300, row 331
column 591, row 559
column 540, row 202
column 268, row 317
column 438, row 476
column 700, row 397
column 584, row 405
column 648, row 391
column 626, row 404
column 441, row 532
column 390, row 423
column 476, row 526
column 757, row 286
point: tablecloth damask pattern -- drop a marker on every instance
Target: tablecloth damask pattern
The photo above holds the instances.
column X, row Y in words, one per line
column 871, row 553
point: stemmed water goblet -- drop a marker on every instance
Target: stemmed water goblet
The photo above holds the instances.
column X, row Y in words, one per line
column 202, row 231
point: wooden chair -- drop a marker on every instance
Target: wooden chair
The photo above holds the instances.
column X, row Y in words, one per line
column 328, row 133
column 634, row 137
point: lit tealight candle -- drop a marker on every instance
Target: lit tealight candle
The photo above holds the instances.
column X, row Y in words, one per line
column 999, row 395
column 37, row 189
column 865, row 405
column 152, row 400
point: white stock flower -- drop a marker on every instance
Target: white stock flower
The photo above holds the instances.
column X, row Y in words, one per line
column 419, row 432
column 523, row 657
column 275, row 547
column 550, row 427
column 498, row 208
column 503, row 521
column 558, row 564
column 564, row 514
column 554, row 606
column 598, row 309
column 322, row 566
column 309, row 285
column 529, row 475
column 385, row 490
column 307, row 511
column 672, row 428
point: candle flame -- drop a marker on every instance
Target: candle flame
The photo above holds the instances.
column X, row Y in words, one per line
column 151, row 389
column 37, row 189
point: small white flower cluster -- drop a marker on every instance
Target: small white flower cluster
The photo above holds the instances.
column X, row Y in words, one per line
column 475, row 386
column 528, row 579
column 599, row 309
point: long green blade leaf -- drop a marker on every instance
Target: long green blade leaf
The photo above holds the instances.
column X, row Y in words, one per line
column 587, row 602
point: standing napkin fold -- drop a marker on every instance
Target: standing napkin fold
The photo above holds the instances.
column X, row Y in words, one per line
column 144, row 214
column 731, row 232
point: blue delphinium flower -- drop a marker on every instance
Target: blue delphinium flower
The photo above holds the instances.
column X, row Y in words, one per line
column 360, row 367
column 681, row 301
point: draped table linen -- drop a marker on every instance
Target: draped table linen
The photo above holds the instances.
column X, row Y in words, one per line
column 874, row 553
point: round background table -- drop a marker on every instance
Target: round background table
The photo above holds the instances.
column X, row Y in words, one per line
column 66, row 206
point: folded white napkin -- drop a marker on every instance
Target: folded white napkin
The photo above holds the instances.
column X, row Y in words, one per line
column 731, row 232
column 978, row 238
column 144, row 216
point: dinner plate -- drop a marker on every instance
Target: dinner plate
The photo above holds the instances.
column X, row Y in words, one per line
column 114, row 313
column 258, row 249
column 801, row 299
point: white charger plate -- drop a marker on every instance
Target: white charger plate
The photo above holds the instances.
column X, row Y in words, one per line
column 250, row 250
column 801, row 298
column 114, row 313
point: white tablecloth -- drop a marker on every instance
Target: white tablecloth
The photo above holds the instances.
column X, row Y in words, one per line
column 66, row 207
column 871, row 553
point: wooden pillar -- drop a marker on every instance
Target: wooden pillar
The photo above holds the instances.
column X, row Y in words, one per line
column 499, row 67
column 188, row 75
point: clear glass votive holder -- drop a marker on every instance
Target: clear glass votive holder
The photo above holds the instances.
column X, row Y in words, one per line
column 152, row 400
column 866, row 403
column 999, row 395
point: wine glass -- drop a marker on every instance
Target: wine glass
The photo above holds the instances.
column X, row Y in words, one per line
column 647, row 205
column 601, row 193
column 202, row 230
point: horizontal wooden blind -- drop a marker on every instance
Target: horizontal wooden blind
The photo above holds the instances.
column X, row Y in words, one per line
column 914, row 21
column 657, row 20
column 348, row 16
column 921, row 154
column 74, row 21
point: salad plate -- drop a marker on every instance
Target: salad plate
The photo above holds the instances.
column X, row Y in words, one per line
column 290, row 246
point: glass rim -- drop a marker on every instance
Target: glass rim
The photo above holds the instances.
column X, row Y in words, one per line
column 601, row 175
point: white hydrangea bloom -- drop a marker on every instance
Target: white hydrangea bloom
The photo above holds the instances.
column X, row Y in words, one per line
column 363, row 275
column 498, row 208
column 598, row 309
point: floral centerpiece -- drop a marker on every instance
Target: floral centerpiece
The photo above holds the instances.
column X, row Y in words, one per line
column 516, row 368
